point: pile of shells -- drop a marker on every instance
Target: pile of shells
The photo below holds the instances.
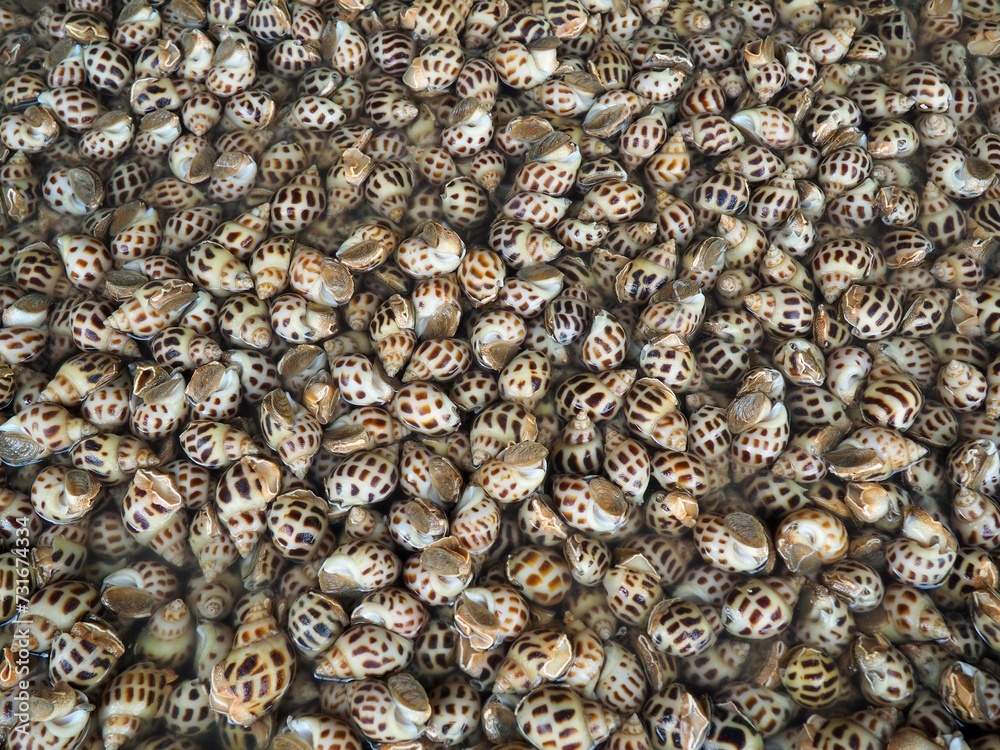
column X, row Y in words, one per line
column 500, row 374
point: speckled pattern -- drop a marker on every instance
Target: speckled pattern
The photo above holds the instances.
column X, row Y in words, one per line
column 499, row 374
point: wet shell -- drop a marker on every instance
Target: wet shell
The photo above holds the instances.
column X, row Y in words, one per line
column 135, row 697
column 86, row 656
column 258, row 671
